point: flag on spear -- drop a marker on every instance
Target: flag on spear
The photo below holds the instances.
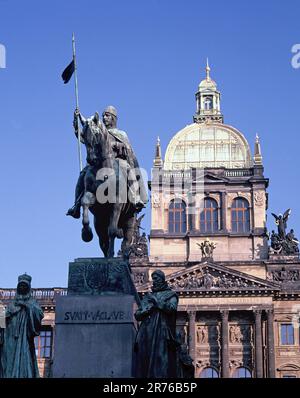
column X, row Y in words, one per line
column 66, row 76
column 68, row 72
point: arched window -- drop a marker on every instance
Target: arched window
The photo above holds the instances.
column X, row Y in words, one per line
column 177, row 216
column 208, row 103
column 241, row 373
column 240, row 215
column 209, row 373
column 209, row 216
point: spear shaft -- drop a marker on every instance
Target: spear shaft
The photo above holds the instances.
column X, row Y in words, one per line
column 77, row 102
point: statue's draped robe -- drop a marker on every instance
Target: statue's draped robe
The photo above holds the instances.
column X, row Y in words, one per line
column 18, row 357
column 155, row 344
column 131, row 163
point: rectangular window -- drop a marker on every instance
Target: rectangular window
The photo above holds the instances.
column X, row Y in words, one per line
column 43, row 344
column 287, row 334
column 234, row 226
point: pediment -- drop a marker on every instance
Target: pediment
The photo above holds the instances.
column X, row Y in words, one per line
column 213, row 178
column 207, row 277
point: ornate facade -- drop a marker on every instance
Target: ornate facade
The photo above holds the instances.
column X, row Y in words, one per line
column 239, row 302
column 239, row 305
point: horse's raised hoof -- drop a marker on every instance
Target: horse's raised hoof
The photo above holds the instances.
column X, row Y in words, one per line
column 86, row 234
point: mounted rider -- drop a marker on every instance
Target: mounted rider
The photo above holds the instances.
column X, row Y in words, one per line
column 121, row 149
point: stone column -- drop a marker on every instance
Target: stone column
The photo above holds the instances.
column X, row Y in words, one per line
column 224, row 344
column 258, row 345
column 223, row 212
column 271, row 343
column 192, row 334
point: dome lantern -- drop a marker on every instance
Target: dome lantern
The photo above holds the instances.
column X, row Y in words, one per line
column 208, row 100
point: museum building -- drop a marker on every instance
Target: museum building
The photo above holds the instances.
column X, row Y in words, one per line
column 239, row 299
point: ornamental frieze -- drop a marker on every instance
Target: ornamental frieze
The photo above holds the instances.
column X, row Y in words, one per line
column 284, row 275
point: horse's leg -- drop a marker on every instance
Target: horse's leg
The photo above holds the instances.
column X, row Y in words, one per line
column 128, row 236
column 101, row 227
column 87, row 200
column 113, row 229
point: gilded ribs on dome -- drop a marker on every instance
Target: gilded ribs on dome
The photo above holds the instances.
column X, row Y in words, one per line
column 207, row 145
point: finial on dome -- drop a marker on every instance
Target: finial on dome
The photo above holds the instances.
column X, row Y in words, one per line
column 158, row 159
column 207, row 70
column 257, row 151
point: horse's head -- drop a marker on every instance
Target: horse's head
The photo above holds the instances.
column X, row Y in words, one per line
column 97, row 138
column 92, row 127
column 94, row 133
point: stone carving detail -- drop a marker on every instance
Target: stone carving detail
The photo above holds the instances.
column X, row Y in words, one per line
column 283, row 243
column 259, row 198
column 139, row 278
column 155, row 200
column 284, row 275
column 182, row 333
column 202, row 334
column 99, row 276
column 207, row 248
column 209, row 279
column 240, row 334
column 207, row 334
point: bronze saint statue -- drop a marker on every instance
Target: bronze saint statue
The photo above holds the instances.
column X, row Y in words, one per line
column 23, row 323
column 156, row 343
column 110, row 186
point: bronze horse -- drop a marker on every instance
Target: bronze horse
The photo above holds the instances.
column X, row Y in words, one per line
column 114, row 217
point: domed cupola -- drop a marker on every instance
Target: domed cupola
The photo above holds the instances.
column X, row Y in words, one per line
column 208, row 100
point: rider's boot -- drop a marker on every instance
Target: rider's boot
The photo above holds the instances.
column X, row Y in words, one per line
column 74, row 211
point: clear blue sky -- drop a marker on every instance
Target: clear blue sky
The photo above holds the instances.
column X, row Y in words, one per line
column 146, row 58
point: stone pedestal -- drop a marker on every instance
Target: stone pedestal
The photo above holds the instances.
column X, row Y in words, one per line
column 94, row 323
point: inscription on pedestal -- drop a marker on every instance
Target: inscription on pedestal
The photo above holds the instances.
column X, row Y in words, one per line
column 88, row 310
column 95, row 317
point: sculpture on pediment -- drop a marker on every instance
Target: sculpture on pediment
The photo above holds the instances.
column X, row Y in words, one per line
column 207, row 248
column 283, row 243
column 208, row 280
